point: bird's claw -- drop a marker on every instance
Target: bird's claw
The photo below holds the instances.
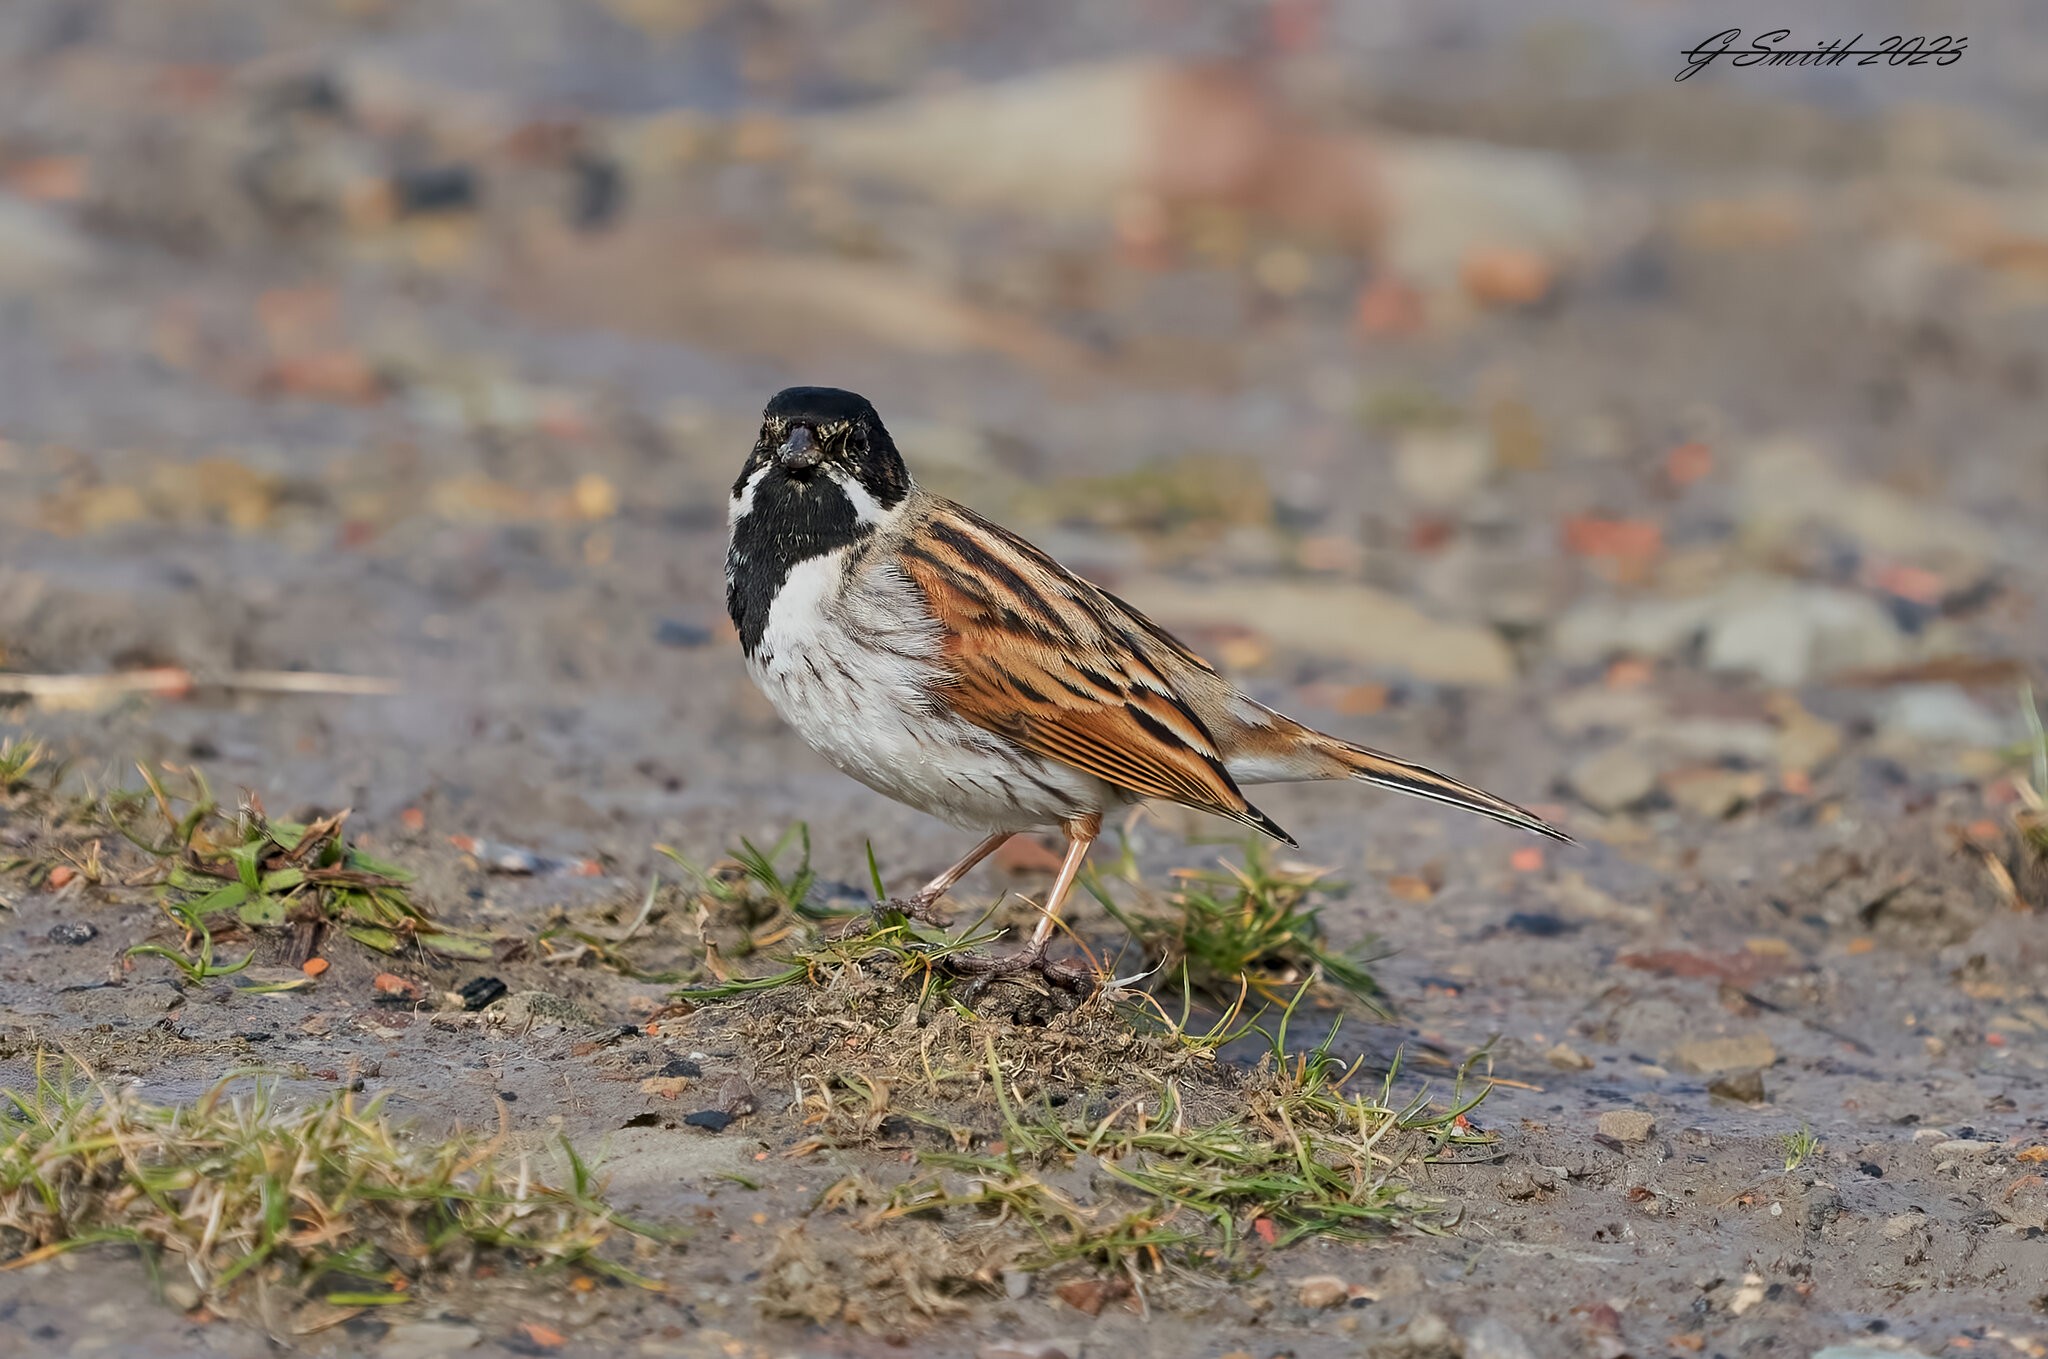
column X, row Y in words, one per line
column 917, row 907
column 983, row 968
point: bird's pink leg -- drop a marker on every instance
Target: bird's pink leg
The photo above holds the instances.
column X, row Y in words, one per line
column 921, row 904
column 1081, row 833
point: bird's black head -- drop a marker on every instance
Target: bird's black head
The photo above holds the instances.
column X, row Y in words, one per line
column 823, row 475
column 810, row 434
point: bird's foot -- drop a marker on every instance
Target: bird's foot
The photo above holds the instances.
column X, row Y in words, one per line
column 917, row 906
column 983, row 968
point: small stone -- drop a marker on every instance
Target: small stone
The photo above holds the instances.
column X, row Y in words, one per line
column 478, row 992
column 1858, row 1350
column 1399, row 1278
column 735, row 1096
column 1941, row 714
column 73, row 932
column 1565, row 1057
column 1016, row 1284
column 1719, row 739
column 1322, row 1290
column 1744, row 1087
column 1972, row 1149
column 1440, row 468
column 1627, row 1125
column 1526, row 1183
column 38, row 248
column 428, row 1339
column 1575, row 896
column 1714, row 793
column 676, row 633
column 527, row 1011
column 710, row 1120
column 1785, row 632
column 1382, row 630
column 1028, row 1349
column 1087, row 1296
column 182, row 1294
column 1784, row 486
column 392, row 987
column 1791, row 634
column 1494, row 1339
column 1900, row 1226
column 1426, row 1336
column 682, row 1066
column 1803, row 741
column 1712, row 1056
column 1614, row 779
column 1507, row 276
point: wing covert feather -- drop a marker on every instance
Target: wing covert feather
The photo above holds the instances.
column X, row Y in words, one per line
column 1066, row 670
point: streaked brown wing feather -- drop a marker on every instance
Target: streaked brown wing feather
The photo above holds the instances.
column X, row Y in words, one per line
column 1066, row 670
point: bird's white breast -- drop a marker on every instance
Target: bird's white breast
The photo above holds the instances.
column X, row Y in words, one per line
column 853, row 663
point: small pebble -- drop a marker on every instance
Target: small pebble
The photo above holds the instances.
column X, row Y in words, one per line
column 1712, row 1056
column 1494, row 1339
column 1613, row 780
column 73, row 932
column 682, row 1066
column 1627, row 1125
column 1743, row 1087
column 1028, row 1349
column 711, row 1120
column 1900, row 1226
column 1322, row 1290
column 1565, row 1057
column 674, row 632
column 428, row 1340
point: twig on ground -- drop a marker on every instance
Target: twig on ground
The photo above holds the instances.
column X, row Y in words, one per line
column 172, row 681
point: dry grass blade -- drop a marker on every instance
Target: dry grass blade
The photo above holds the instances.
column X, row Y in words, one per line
column 176, row 681
column 1152, row 1186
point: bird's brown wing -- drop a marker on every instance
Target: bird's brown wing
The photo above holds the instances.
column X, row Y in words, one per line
column 1067, row 671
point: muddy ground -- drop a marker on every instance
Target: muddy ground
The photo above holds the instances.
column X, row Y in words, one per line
column 420, row 342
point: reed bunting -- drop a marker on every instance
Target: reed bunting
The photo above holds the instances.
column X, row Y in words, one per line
column 953, row 666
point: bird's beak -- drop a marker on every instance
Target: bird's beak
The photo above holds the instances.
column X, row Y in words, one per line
column 799, row 451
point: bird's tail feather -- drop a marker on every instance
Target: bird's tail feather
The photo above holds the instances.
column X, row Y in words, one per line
column 1384, row 771
column 1282, row 750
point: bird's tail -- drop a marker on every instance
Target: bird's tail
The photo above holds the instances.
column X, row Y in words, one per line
column 1290, row 751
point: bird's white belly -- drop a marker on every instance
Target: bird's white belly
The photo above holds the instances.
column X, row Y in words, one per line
column 852, row 669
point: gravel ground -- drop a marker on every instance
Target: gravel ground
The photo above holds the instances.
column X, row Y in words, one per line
column 422, row 342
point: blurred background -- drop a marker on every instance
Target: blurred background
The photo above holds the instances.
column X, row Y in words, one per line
column 1668, row 457
column 1447, row 371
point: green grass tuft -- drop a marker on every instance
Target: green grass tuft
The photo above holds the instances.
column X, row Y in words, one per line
column 1219, row 929
column 244, row 1196
column 19, row 760
column 259, row 872
column 1800, row 1147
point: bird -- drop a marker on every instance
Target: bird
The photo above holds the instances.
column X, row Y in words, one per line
column 947, row 663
